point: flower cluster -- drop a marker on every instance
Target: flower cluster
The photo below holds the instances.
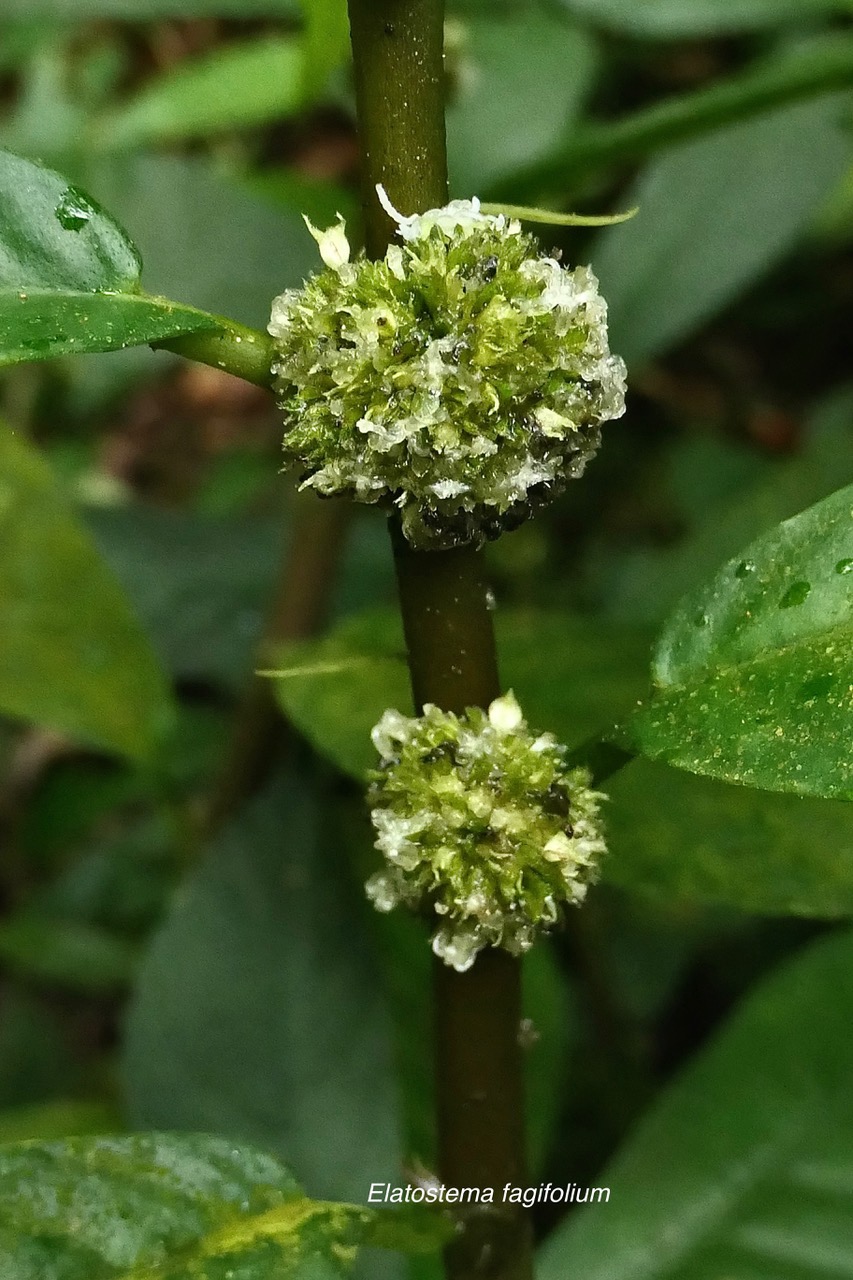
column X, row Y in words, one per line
column 463, row 378
column 481, row 823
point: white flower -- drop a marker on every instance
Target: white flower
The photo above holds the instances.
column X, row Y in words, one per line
column 333, row 244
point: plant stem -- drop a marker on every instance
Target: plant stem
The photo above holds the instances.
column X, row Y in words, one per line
column 398, row 51
column 826, row 67
column 298, row 609
column 247, row 353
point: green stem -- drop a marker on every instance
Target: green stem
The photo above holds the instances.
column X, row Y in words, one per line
column 827, row 67
column 398, row 50
column 247, row 353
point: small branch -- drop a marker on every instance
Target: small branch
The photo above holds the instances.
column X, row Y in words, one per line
column 677, row 119
column 247, row 353
column 298, row 609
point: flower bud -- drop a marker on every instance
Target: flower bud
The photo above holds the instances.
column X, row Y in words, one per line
column 463, row 379
column 481, row 824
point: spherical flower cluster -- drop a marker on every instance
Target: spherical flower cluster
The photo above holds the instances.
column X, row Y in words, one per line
column 463, row 378
column 481, row 823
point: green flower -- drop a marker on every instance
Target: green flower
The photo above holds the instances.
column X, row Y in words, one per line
column 482, row 824
column 463, row 379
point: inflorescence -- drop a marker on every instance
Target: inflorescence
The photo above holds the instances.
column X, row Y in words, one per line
column 482, row 824
column 463, row 378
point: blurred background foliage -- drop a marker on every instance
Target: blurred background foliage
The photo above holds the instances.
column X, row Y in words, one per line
column 148, row 980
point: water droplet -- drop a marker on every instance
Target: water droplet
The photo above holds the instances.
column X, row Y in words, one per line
column 795, row 594
column 73, row 210
column 844, row 566
column 491, row 602
column 744, row 569
column 701, row 620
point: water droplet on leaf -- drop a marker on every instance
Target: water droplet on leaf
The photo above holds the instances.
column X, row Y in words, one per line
column 844, row 566
column 744, row 568
column 701, row 620
column 73, row 210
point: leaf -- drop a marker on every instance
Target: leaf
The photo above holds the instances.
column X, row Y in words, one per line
column 714, row 216
column 58, row 1119
column 743, row 1166
column 281, row 1037
column 673, row 19
column 754, row 670
column 244, row 83
column 163, row 1207
column 72, row 654
column 334, row 690
column 725, row 496
column 66, row 953
column 142, row 10
column 522, row 81
column 683, row 839
column 69, row 276
column 325, row 44
column 204, row 236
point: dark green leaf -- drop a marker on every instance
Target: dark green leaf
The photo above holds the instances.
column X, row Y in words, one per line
column 66, row 953
column 164, row 1206
column 684, row 839
column 69, row 276
column 754, row 671
column 672, row 19
column 743, row 1168
column 282, row 1036
column 334, row 690
column 72, row 654
column 725, row 496
column 714, row 215
column 522, row 81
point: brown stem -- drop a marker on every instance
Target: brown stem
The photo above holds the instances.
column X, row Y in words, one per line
column 298, row 609
column 398, row 49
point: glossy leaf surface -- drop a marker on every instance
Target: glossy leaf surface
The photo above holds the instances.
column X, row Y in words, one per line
column 165, row 1206
column 754, row 671
column 69, row 275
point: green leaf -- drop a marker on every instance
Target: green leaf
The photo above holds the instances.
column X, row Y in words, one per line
column 282, row 1037
column 334, row 690
column 143, row 10
column 743, row 1167
column 714, row 216
column 675, row 19
column 684, row 839
column 203, row 236
column 63, row 1118
column 246, row 83
column 72, row 654
column 69, row 276
column 522, row 81
column 165, row 1207
column 325, row 44
column 725, row 495
column 754, row 671
column 66, row 953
